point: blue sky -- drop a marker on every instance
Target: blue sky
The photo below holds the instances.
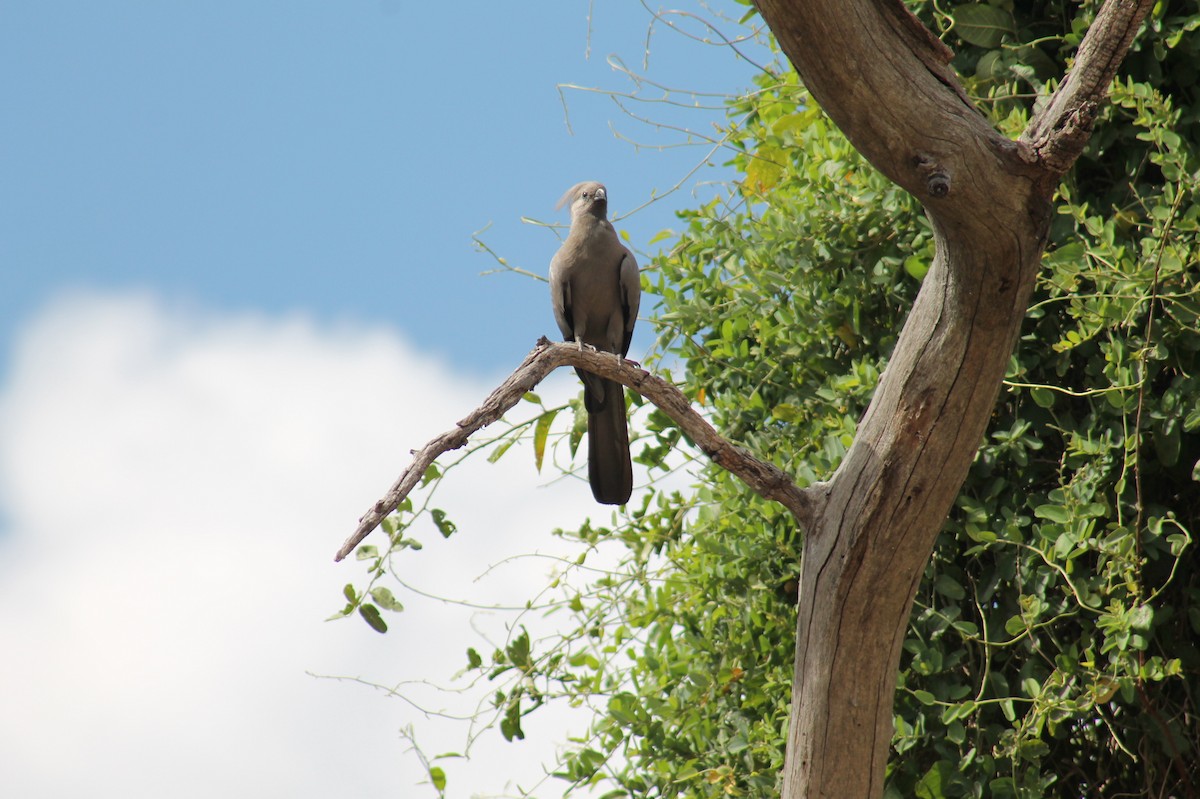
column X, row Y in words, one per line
column 333, row 157
column 237, row 287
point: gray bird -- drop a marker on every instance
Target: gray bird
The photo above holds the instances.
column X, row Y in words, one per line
column 595, row 291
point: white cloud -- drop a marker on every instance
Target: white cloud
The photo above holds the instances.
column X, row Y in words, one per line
column 173, row 485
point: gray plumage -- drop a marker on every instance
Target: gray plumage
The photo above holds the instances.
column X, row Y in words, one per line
column 595, row 290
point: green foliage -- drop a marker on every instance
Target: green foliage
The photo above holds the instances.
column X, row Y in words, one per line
column 1052, row 648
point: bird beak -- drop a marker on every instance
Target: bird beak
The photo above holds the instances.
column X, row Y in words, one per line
column 601, row 194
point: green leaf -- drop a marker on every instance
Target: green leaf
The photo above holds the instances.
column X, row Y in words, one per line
column 785, row 412
column 619, row 707
column 1033, row 748
column 1054, row 513
column 1042, row 397
column 1068, row 254
column 446, row 527
column 510, row 722
column 932, row 785
column 373, row 618
column 1167, row 442
column 792, row 124
column 765, row 169
column 500, row 449
column 1015, row 625
column 407, row 543
column 1034, row 65
column 981, row 536
column 384, row 598
column 518, row 651
column 540, row 431
column 916, row 267
column 948, row 587
column 982, row 25
column 991, row 66
column 438, row 777
column 580, row 425
column 474, row 660
column 348, row 592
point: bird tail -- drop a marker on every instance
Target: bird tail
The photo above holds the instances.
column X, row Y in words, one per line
column 609, row 468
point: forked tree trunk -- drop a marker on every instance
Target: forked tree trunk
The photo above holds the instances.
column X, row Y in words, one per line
column 885, row 80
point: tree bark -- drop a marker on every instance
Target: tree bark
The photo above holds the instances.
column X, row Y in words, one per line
column 884, row 79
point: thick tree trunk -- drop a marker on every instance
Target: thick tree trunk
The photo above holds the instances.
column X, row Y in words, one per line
column 884, row 79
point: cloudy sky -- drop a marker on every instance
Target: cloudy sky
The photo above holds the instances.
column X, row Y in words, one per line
column 237, row 286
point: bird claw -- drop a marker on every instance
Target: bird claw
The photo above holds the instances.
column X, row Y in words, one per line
column 581, row 346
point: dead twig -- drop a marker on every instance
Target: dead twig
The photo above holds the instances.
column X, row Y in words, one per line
column 766, row 479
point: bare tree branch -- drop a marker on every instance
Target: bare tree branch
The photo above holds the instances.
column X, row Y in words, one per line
column 1057, row 134
column 764, row 478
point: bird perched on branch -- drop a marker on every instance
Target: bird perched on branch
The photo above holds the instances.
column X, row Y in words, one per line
column 595, row 290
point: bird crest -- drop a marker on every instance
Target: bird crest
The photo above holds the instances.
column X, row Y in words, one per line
column 576, row 191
